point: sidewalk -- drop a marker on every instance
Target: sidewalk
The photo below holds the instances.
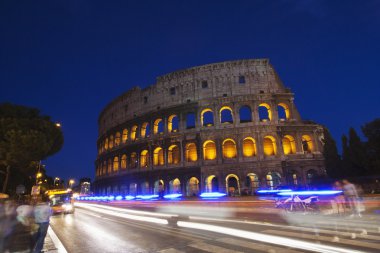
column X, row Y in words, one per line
column 49, row 245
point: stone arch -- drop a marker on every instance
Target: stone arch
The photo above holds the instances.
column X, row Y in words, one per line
column 123, row 161
column 273, row 179
column 159, row 187
column 124, row 137
column 175, row 186
column 252, row 182
column 115, row 164
column 192, row 187
column 225, row 115
column 158, row 126
column 288, row 145
column 232, row 185
column 133, row 133
column 249, row 147
column 211, row 184
column 133, row 160
column 283, row 112
column 144, row 187
column 294, row 177
column 229, row 148
column 158, row 157
column 117, row 139
column 209, row 150
column 106, row 144
column 109, row 164
column 245, row 114
column 311, row 176
column 174, row 156
column 269, row 145
column 191, row 152
column 144, row 159
column 145, row 130
column 207, row 117
column 307, row 144
column 111, row 142
column 173, row 123
column 133, row 189
column 265, row 113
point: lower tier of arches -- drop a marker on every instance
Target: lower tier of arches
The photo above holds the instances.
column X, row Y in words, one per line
column 193, row 181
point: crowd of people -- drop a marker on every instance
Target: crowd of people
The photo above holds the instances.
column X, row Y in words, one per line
column 24, row 224
column 349, row 201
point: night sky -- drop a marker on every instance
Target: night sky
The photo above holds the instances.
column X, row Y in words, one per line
column 70, row 58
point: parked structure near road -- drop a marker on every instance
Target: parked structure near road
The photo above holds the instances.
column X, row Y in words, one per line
column 229, row 127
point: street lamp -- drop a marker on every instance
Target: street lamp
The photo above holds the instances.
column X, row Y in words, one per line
column 56, row 179
column 71, row 182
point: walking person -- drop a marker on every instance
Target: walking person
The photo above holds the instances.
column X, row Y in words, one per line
column 42, row 213
column 351, row 197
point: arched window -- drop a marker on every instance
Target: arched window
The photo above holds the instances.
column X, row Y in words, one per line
column 144, row 159
column 265, row 113
column 124, row 161
column 192, row 188
column 158, row 157
column 175, row 186
column 133, row 133
column 211, row 184
column 229, row 148
column 124, row 137
column 173, row 123
column 311, row 176
column 174, row 155
column 307, row 144
column 270, row 147
column 158, row 126
column 273, row 179
column 252, row 182
column 117, row 139
column 283, row 111
column 145, row 130
column 207, row 117
column 225, row 115
column 245, row 114
column 249, row 147
column 109, row 171
column 104, row 167
column 288, row 145
column 209, row 150
column 110, row 144
column 191, row 152
column 133, row 160
column 115, row 163
column 190, row 120
column 106, row 144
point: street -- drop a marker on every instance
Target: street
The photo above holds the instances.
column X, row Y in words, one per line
column 102, row 228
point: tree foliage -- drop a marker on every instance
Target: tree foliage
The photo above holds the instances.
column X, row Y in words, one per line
column 332, row 158
column 371, row 131
column 26, row 136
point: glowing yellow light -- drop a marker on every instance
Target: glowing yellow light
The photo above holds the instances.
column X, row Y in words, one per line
column 191, row 152
column 209, row 150
column 268, row 110
column 158, row 156
column 269, row 146
column 229, row 148
column 286, row 109
column 249, row 147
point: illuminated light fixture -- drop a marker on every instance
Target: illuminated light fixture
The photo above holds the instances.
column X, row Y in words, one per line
column 212, row 195
column 119, row 197
column 274, row 191
column 172, row 196
column 302, row 193
column 129, row 197
column 145, row 197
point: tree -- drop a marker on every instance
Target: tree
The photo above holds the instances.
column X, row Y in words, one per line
column 26, row 136
column 354, row 155
column 333, row 162
column 371, row 131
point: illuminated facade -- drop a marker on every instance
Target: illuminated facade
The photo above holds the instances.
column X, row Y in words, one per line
column 229, row 127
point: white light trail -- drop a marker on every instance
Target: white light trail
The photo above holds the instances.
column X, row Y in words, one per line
column 293, row 243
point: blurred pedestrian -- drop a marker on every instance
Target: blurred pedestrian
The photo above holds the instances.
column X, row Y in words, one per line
column 339, row 199
column 42, row 213
column 20, row 238
column 351, row 197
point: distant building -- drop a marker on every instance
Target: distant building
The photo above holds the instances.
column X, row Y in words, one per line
column 229, row 127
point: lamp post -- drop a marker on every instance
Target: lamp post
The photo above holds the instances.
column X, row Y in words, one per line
column 56, row 179
column 71, row 182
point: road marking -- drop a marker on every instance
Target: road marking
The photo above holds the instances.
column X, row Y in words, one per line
column 323, row 238
column 212, row 248
column 256, row 246
column 57, row 243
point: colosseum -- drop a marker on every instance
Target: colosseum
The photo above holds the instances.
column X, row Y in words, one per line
column 228, row 127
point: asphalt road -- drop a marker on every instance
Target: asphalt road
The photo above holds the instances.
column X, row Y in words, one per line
column 96, row 228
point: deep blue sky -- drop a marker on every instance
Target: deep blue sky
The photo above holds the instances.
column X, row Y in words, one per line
column 70, row 58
